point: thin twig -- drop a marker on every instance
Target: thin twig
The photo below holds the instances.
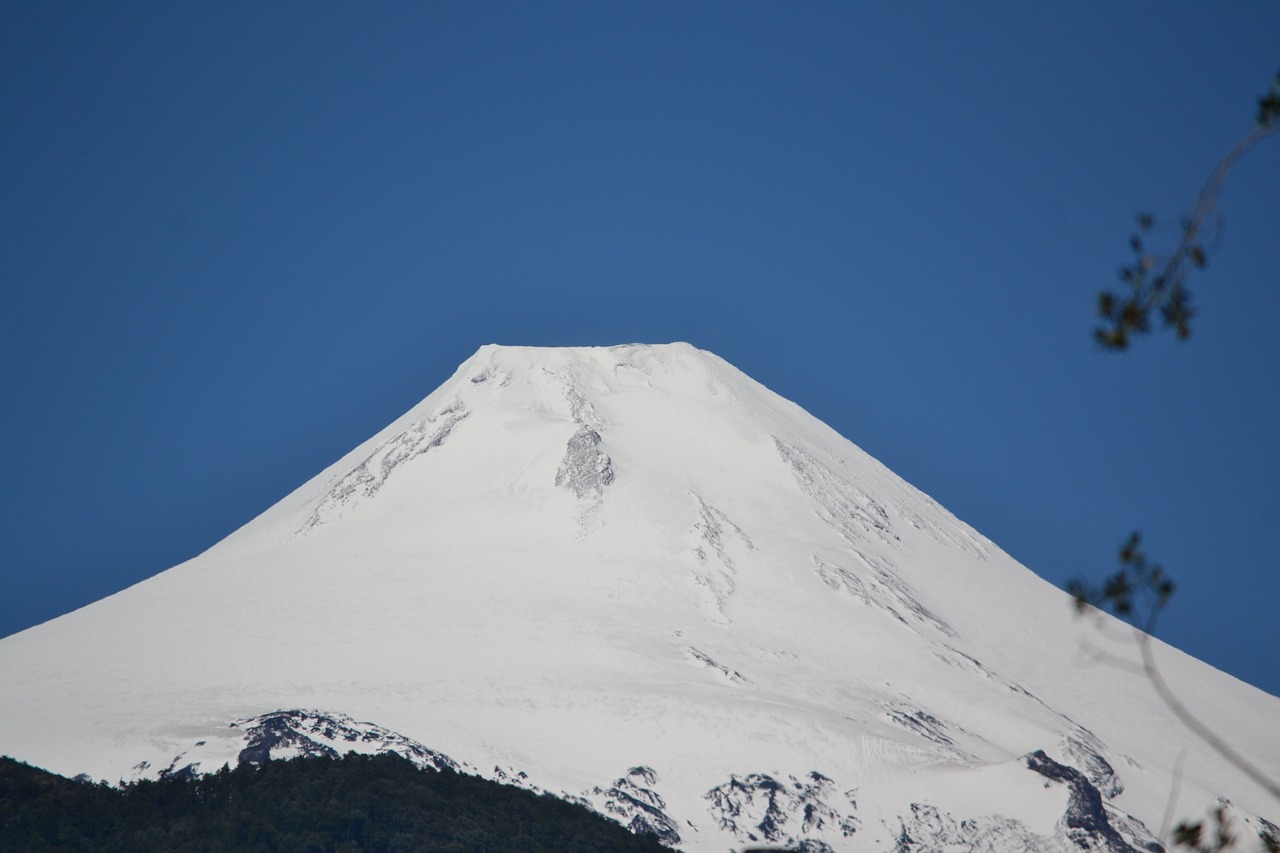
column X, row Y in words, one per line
column 1207, row 199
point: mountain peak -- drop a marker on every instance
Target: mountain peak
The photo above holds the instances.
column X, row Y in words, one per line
column 596, row 369
column 634, row 563
column 675, row 356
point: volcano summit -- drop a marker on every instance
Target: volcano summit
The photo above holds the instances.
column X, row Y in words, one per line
column 634, row 577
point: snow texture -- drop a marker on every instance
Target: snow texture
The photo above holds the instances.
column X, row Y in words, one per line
column 634, row 578
column 371, row 474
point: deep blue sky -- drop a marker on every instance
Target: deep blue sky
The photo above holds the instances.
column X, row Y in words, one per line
column 238, row 238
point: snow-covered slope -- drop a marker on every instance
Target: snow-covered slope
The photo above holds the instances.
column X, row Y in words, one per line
column 636, row 577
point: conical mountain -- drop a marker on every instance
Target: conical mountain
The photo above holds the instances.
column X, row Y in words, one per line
column 634, row 576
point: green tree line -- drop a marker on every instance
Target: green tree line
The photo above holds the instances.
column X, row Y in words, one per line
column 309, row 805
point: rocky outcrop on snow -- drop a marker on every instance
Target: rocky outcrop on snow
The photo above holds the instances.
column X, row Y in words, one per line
column 1087, row 822
column 289, row 734
column 633, row 801
column 927, row 829
column 1083, row 750
column 760, row 807
column 809, row 812
column 585, row 469
column 292, row 734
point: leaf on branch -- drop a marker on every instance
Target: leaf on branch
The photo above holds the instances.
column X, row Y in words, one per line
column 1156, row 284
column 1269, row 104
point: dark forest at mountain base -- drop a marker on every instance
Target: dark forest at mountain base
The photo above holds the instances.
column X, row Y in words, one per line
column 356, row 803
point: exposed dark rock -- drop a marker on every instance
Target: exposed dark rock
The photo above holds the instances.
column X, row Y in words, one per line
column 1268, row 832
column 760, row 807
column 927, row 829
column 1086, row 819
column 632, row 801
column 314, row 733
column 1085, row 752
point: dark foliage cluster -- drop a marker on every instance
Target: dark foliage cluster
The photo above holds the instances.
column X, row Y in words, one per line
column 1200, row 838
column 1151, row 286
column 1138, row 590
column 1154, row 286
column 357, row 803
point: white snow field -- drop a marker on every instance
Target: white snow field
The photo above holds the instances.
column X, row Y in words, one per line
column 643, row 580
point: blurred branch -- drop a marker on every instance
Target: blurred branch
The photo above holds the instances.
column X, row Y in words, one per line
column 1140, row 590
column 1153, row 284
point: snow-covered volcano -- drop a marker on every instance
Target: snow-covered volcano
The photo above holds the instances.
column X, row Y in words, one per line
column 634, row 576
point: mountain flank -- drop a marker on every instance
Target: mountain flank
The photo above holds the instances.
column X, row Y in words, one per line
column 635, row 579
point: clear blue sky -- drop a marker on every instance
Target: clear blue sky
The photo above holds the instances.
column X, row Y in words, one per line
column 238, row 238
